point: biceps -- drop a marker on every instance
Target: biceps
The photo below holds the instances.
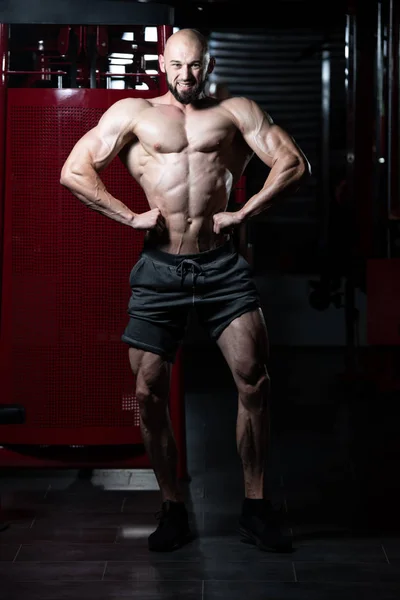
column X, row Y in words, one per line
column 272, row 143
column 95, row 149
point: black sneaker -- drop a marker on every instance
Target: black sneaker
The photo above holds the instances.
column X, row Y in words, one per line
column 173, row 528
column 265, row 529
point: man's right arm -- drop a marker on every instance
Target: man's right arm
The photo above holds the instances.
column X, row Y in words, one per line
column 94, row 152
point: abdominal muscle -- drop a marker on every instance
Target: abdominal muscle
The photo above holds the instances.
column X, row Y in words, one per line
column 186, row 238
column 188, row 189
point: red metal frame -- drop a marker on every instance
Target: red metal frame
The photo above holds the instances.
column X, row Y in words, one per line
column 163, row 33
column 57, row 39
column 3, row 110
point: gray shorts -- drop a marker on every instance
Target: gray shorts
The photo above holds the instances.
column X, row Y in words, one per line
column 217, row 284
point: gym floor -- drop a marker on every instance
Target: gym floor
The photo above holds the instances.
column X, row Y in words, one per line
column 83, row 534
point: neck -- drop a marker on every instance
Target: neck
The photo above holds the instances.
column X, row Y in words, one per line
column 169, row 98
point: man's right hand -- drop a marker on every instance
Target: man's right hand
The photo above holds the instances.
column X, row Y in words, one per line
column 152, row 219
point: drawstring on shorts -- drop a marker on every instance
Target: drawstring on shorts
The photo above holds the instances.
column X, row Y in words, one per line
column 186, row 266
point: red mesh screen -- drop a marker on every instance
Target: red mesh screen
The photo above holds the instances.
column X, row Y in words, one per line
column 65, row 280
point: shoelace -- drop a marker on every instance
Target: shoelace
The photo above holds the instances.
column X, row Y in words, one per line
column 186, row 266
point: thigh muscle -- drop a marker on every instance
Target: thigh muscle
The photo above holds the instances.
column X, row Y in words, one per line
column 152, row 372
column 244, row 344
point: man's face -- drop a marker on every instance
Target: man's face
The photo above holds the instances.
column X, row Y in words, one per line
column 186, row 70
column 186, row 91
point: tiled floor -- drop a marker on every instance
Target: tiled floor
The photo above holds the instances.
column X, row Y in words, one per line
column 84, row 534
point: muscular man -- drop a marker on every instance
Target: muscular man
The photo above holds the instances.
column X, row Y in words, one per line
column 187, row 151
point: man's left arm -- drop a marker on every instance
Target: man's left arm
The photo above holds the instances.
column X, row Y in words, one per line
column 276, row 148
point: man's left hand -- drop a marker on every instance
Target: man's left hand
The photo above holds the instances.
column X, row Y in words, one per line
column 226, row 221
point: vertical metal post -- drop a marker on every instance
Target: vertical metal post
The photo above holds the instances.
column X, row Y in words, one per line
column 350, row 93
column 163, row 33
column 3, row 111
column 380, row 163
column 390, row 82
column 325, row 146
column 5, row 359
column 396, row 102
column 393, row 123
column 245, row 246
column 92, row 56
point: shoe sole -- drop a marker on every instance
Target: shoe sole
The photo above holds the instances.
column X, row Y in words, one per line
column 182, row 542
column 249, row 537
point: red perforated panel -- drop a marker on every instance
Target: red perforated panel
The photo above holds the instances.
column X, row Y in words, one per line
column 65, row 280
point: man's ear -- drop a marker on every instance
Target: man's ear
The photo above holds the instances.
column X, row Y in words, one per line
column 211, row 65
column 161, row 63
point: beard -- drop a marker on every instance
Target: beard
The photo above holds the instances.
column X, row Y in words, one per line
column 189, row 96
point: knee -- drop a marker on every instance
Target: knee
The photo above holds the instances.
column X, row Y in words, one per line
column 253, row 387
column 151, row 396
column 146, row 399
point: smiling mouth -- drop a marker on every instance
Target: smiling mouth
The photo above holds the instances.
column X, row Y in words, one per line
column 185, row 86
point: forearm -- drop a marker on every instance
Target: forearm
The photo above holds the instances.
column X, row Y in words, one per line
column 283, row 179
column 89, row 189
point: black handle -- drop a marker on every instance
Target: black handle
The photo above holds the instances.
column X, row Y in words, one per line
column 12, row 414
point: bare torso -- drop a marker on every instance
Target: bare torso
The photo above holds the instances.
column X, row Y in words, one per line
column 187, row 162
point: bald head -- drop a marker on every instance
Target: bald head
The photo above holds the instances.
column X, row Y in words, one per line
column 186, row 63
column 190, row 38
